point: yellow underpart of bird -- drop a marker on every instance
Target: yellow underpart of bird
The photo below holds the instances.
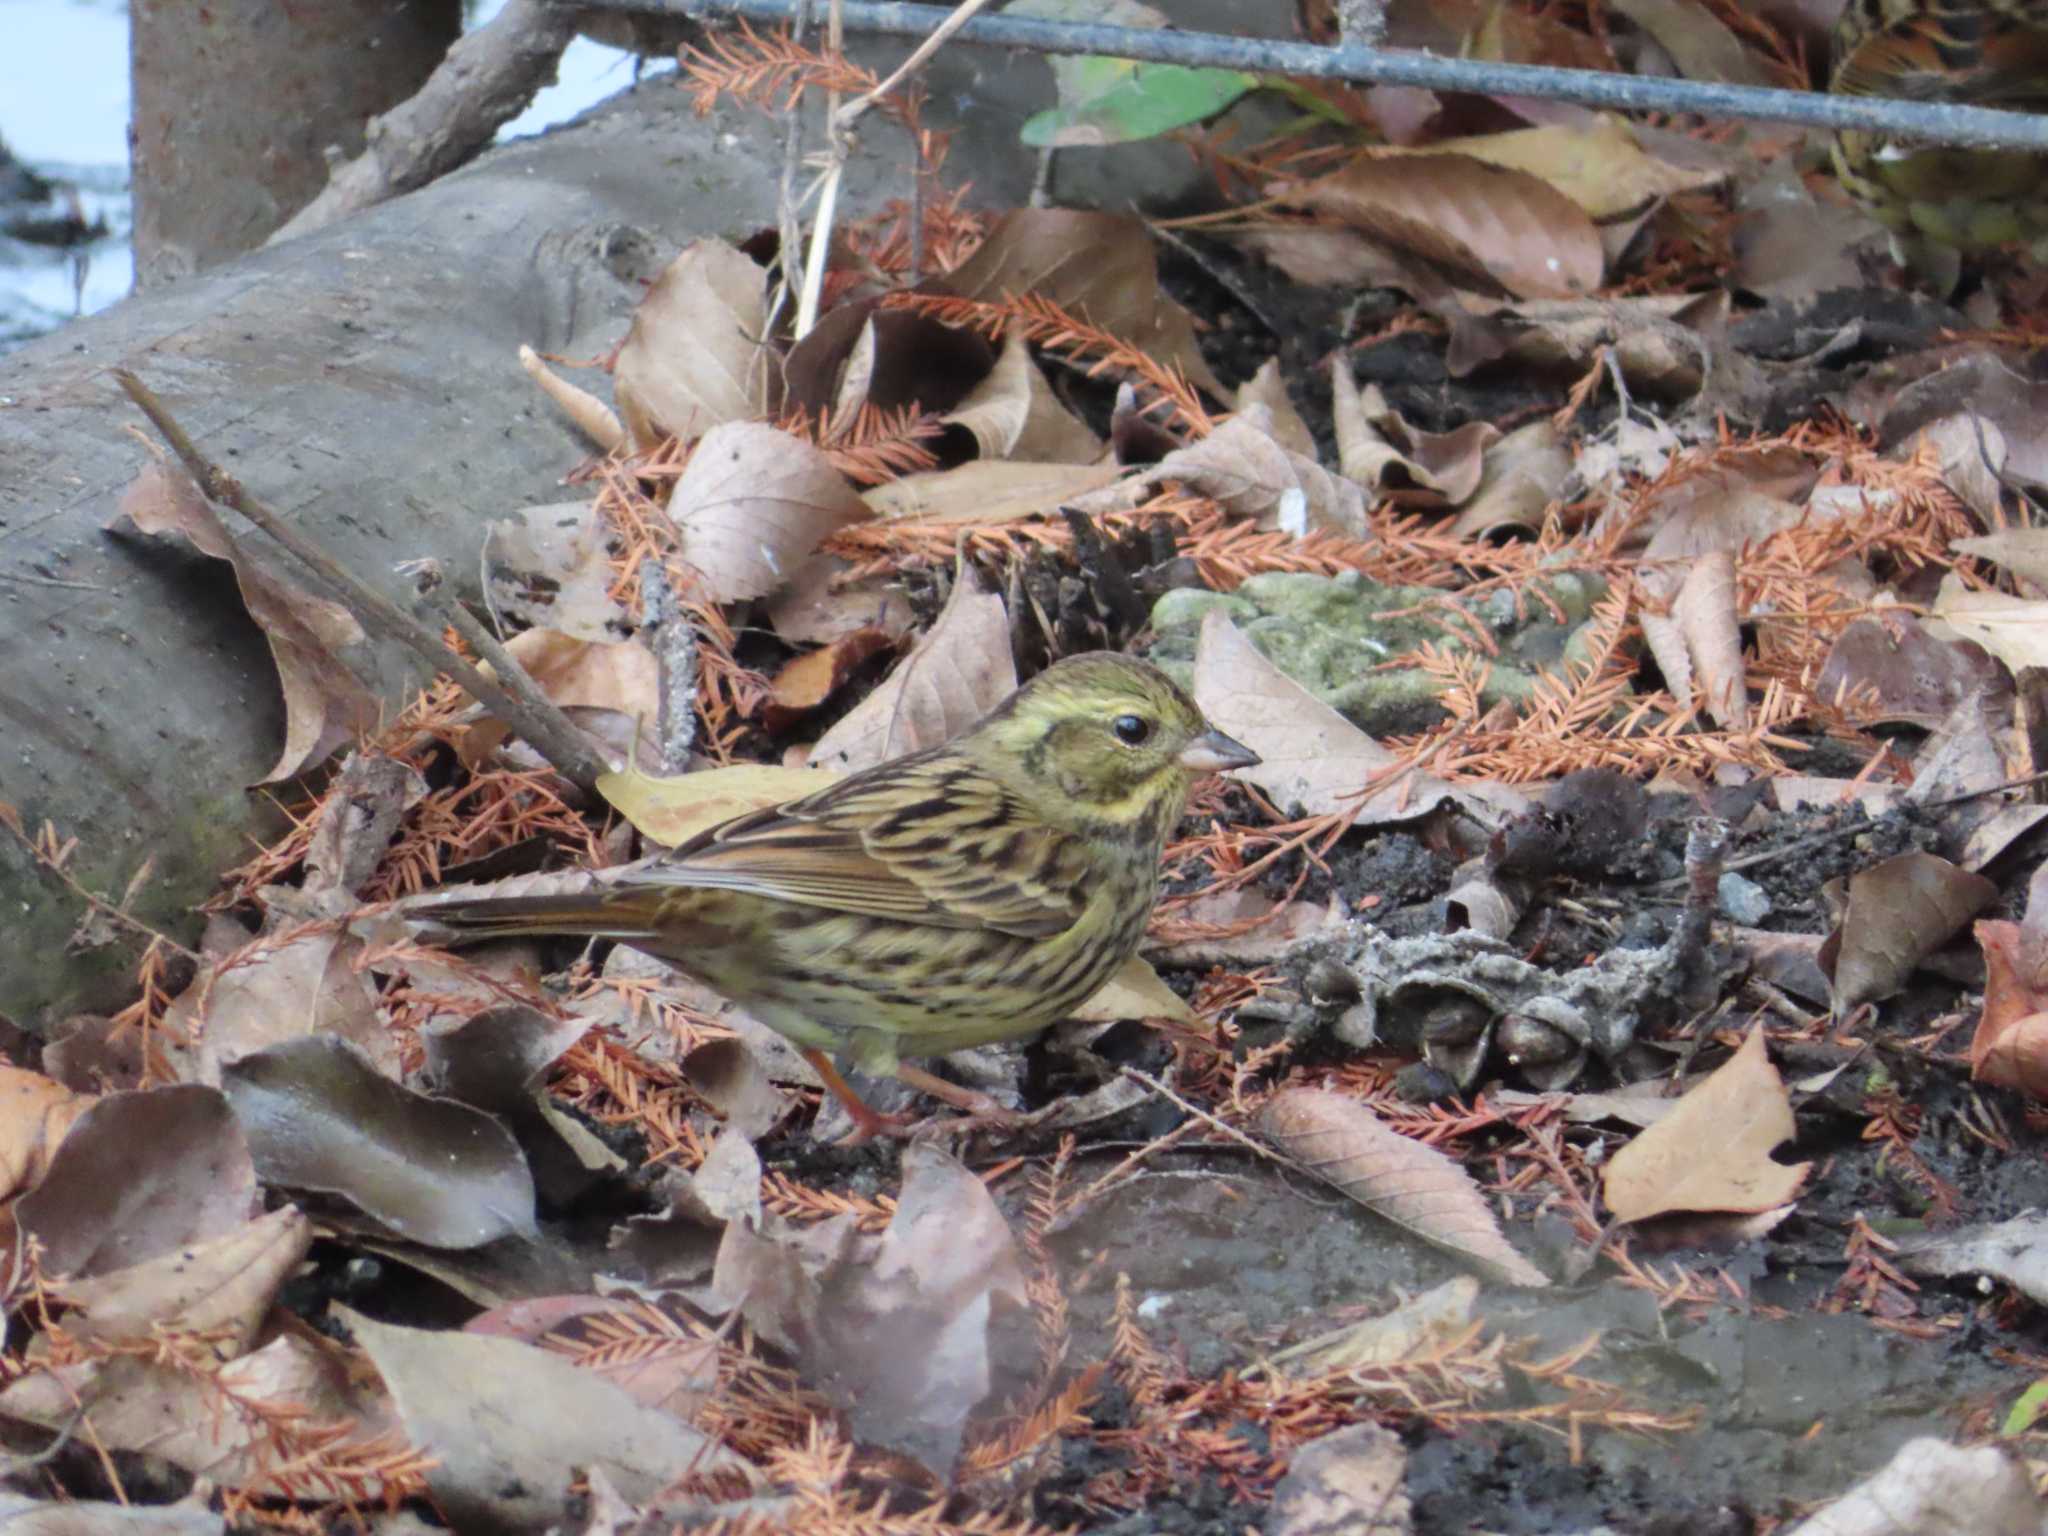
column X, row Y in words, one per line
column 973, row 892
column 1988, row 53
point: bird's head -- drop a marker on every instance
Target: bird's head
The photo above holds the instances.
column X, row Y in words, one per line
column 1102, row 737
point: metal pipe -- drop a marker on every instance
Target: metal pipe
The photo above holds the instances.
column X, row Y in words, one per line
column 1926, row 121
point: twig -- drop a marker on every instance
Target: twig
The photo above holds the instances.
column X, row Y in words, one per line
column 1927, row 121
column 1706, row 851
column 921, row 55
column 1833, row 834
column 547, row 729
column 1257, row 1148
column 51, row 860
column 530, row 710
column 839, row 123
column 837, row 146
column 674, row 642
column 790, row 230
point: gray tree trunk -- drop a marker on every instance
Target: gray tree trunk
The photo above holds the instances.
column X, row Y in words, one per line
column 238, row 103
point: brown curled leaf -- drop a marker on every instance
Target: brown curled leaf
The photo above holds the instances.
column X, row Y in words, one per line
column 1341, row 1141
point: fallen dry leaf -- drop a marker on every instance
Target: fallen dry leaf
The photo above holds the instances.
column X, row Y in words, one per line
column 1243, row 467
column 2014, row 629
column 1713, row 1152
column 818, row 606
column 2022, row 551
column 1416, row 1187
column 673, row 810
column 752, row 504
column 1313, row 761
column 1699, row 42
column 1932, row 1488
column 1382, row 453
column 805, row 682
column 1135, row 992
column 1702, row 636
column 1790, row 244
column 222, row 1425
column 985, row 491
column 549, row 568
column 101, row 1208
column 1472, row 221
column 320, row 1117
column 1890, row 669
column 95, row 1517
column 1430, row 1324
column 1268, row 388
column 634, row 1346
column 1600, row 163
column 36, row 1112
column 270, row 993
column 960, row 670
column 2010, row 1046
column 1662, row 345
column 861, row 356
column 1895, row 915
column 1099, row 266
column 361, row 812
column 221, row 1287
column 694, row 357
column 895, row 1330
column 1520, row 477
column 1013, row 414
column 324, row 704
column 512, row 1428
column 2014, row 1252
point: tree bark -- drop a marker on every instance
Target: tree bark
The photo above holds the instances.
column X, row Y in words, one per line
column 238, row 105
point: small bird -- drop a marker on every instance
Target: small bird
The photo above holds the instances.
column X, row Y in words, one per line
column 976, row 891
column 1936, row 200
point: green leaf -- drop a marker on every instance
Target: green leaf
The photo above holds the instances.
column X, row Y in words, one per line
column 1120, row 101
column 2026, row 1409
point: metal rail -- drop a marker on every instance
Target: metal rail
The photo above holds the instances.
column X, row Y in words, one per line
column 1929, row 122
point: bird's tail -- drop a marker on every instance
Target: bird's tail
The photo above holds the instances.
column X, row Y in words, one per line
column 585, row 915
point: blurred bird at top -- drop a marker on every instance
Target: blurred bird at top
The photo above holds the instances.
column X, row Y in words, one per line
column 1941, row 201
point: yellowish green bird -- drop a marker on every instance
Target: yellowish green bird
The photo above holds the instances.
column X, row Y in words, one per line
column 1937, row 200
column 973, row 892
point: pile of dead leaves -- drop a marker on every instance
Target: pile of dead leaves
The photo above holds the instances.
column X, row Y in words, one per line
column 1684, row 712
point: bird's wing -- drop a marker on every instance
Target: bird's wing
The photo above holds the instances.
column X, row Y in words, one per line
column 1990, row 52
column 923, row 840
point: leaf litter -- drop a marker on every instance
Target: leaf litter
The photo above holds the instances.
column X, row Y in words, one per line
column 1751, row 575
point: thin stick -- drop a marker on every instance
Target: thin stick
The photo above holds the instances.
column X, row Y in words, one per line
column 839, row 122
column 921, row 55
column 52, row 863
column 1232, row 1132
column 670, row 636
column 546, row 729
column 431, row 583
column 790, row 229
column 838, row 147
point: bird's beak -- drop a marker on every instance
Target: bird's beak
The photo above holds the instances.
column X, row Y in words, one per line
column 1214, row 752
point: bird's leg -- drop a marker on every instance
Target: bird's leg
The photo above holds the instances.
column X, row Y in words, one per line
column 983, row 1112
column 868, row 1122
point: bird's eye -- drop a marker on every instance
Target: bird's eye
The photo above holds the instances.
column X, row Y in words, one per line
column 1131, row 730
